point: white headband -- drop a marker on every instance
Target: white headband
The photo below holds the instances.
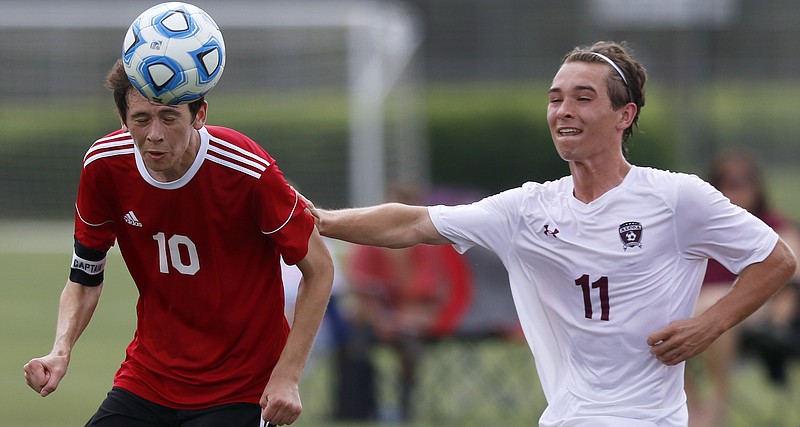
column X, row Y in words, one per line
column 619, row 71
column 611, row 63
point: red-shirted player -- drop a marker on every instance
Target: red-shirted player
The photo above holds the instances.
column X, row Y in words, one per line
column 202, row 216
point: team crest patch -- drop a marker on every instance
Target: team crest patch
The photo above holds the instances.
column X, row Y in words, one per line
column 631, row 234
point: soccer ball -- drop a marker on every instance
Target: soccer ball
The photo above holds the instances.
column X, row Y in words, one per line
column 173, row 53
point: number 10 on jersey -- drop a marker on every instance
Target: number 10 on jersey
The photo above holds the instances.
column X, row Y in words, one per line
column 173, row 256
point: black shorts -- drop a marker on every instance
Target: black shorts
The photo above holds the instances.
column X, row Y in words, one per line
column 122, row 408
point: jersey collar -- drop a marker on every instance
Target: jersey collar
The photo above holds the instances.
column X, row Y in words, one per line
column 190, row 173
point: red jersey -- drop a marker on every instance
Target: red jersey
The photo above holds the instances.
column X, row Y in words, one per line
column 204, row 251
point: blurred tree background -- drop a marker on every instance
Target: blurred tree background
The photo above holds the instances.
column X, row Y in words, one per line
column 470, row 100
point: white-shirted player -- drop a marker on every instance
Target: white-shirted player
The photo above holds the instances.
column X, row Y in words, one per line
column 605, row 264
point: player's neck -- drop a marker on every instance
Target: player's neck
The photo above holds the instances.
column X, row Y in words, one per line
column 593, row 179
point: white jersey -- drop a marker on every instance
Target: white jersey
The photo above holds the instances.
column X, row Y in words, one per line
column 592, row 281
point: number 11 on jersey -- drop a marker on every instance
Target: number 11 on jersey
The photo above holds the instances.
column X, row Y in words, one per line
column 586, row 287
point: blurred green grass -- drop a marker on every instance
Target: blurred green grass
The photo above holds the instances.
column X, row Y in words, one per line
column 28, row 308
column 462, row 384
column 28, row 305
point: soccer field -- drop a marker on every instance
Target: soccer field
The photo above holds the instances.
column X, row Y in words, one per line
column 35, row 259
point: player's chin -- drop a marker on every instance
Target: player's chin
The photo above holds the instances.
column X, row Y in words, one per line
column 566, row 151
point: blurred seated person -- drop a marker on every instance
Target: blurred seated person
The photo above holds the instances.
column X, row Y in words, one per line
column 737, row 174
column 404, row 297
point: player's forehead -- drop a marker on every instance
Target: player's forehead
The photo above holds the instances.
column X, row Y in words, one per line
column 138, row 104
column 579, row 75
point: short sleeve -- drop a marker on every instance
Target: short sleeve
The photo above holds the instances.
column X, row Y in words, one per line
column 710, row 226
column 94, row 225
column 282, row 215
column 489, row 223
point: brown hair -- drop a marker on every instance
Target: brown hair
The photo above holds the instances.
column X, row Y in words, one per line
column 619, row 92
column 117, row 81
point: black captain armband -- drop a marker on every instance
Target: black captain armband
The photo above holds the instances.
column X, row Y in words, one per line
column 87, row 265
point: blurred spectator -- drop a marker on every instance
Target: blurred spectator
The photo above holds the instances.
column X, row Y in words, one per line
column 403, row 297
column 737, row 175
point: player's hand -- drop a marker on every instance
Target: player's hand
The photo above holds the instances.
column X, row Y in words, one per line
column 280, row 403
column 43, row 374
column 309, row 206
column 682, row 340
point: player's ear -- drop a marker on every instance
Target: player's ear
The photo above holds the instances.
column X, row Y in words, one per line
column 628, row 115
column 122, row 124
column 200, row 117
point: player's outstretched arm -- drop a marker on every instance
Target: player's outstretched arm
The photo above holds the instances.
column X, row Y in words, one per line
column 684, row 339
column 391, row 225
column 77, row 305
column 281, row 399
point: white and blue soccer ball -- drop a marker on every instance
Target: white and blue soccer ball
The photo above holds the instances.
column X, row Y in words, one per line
column 173, row 53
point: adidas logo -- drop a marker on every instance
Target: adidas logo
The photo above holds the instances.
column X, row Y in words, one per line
column 131, row 219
